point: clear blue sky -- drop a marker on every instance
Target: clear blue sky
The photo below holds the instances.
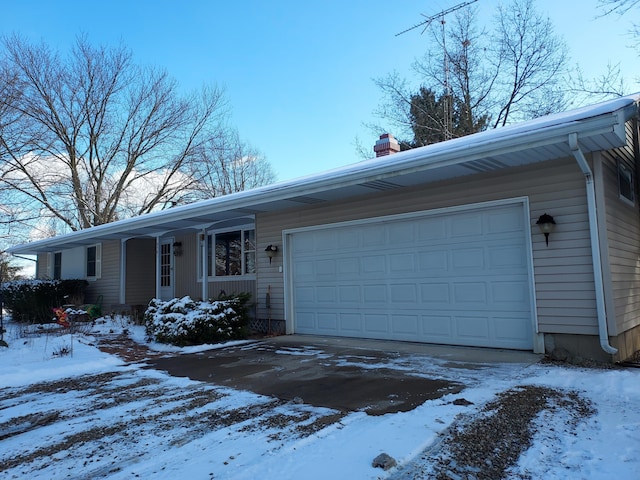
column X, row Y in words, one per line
column 298, row 74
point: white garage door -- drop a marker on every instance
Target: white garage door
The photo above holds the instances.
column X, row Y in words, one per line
column 458, row 278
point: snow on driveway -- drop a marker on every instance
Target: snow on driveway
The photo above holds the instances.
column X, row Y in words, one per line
column 90, row 415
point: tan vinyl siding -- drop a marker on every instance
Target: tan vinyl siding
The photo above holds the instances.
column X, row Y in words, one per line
column 108, row 285
column 231, row 287
column 42, row 268
column 623, row 236
column 141, row 271
column 186, row 267
column 556, row 187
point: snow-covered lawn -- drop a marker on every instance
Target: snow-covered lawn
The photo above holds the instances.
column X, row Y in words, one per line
column 90, row 415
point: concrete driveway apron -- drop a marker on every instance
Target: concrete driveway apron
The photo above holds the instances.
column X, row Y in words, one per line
column 346, row 374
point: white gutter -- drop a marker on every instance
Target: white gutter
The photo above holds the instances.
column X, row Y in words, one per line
column 595, row 243
column 541, row 132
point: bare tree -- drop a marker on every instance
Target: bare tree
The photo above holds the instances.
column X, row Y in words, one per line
column 488, row 79
column 530, row 60
column 394, row 111
column 609, row 84
column 621, row 7
column 457, row 66
column 230, row 165
column 618, row 6
column 89, row 138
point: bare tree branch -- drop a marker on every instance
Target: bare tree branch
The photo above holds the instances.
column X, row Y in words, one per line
column 90, row 137
column 479, row 78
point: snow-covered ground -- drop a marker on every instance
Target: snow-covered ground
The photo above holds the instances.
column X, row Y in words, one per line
column 87, row 414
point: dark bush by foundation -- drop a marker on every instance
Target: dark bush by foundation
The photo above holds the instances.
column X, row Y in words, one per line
column 34, row 300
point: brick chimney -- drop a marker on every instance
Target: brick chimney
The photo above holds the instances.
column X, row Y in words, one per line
column 387, row 145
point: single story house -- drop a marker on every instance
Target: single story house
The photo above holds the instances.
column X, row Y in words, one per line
column 524, row 237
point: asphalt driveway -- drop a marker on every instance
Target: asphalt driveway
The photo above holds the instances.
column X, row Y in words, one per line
column 377, row 377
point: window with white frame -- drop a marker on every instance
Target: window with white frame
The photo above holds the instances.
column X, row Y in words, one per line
column 93, row 262
column 625, row 182
column 230, row 253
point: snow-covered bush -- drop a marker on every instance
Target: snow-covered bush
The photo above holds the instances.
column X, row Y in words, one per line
column 183, row 321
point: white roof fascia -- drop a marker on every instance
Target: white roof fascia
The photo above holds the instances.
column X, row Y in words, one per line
column 608, row 117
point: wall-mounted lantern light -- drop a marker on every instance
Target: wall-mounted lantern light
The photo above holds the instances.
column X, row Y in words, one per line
column 177, row 249
column 546, row 224
column 271, row 251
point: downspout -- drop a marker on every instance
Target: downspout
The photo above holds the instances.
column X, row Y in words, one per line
column 595, row 243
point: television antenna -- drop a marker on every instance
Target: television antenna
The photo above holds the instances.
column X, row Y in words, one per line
column 428, row 19
column 448, row 118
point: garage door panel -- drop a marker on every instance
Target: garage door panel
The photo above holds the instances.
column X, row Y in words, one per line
column 402, row 262
column 461, row 278
column 351, row 323
column 474, row 328
column 400, row 233
column 470, row 293
column 466, row 259
column 512, row 295
column 406, row 325
column 466, row 225
column 374, row 263
column 348, row 267
column 435, row 294
column 326, row 267
column 326, row 294
column 433, row 261
column 506, row 257
column 404, row 293
column 350, row 294
column 347, row 239
column 325, row 241
column 327, row 322
column 305, row 295
column 373, row 236
column 376, row 324
column 503, row 221
column 303, row 271
column 432, row 229
column 511, row 328
column 375, row 293
column 306, row 321
column 438, row 327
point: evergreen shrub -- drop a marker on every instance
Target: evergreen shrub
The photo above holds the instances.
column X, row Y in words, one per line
column 34, row 300
column 183, row 321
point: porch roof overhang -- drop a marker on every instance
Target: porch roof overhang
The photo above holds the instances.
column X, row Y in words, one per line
column 599, row 127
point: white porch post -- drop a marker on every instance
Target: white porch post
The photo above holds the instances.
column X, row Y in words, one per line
column 123, row 270
column 158, row 295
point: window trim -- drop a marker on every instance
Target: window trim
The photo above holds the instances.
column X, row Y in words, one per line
column 98, row 262
column 211, row 234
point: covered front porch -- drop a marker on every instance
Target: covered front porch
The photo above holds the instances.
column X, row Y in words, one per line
column 170, row 264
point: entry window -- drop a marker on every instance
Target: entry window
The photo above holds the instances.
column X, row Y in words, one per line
column 625, row 183
column 231, row 253
column 165, row 265
column 93, row 255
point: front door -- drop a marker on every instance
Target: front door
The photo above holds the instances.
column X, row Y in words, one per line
column 166, row 270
